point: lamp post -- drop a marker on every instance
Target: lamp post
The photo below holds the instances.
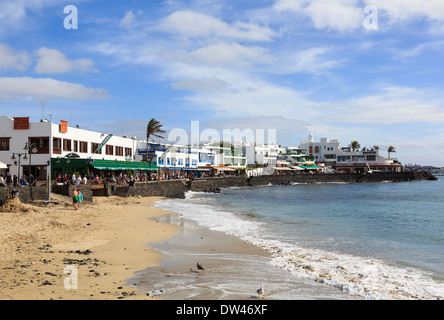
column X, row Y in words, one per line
column 32, row 148
column 19, row 155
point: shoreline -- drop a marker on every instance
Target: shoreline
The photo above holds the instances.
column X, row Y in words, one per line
column 234, row 269
column 115, row 242
column 105, row 241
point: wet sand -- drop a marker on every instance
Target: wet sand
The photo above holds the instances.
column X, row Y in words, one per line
column 234, row 270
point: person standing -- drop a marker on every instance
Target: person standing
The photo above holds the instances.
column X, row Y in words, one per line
column 8, row 179
column 80, row 199
column 75, row 199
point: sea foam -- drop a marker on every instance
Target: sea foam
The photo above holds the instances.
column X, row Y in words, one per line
column 366, row 277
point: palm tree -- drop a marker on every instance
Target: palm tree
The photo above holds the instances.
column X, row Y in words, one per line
column 390, row 150
column 355, row 145
column 376, row 148
column 153, row 129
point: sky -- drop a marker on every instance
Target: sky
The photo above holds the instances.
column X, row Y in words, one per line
column 364, row 70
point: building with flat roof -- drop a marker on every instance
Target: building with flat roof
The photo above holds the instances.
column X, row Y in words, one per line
column 345, row 159
column 41, row 148
column 173, row 159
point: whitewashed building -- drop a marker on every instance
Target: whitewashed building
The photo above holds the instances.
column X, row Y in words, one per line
column 176, row 159
column 263, row 154
column 41, row 147
column 345, row 159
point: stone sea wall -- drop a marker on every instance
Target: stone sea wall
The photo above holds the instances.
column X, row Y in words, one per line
column 25, row 194
column 215, row 184
column 178, row 188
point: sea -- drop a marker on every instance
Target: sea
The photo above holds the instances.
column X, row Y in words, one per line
column 369, row 240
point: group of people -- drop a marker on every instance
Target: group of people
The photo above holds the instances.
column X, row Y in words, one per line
column 15, row 181
column 63, row 179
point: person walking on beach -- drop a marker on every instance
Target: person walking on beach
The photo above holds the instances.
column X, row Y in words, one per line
column 75, row 199
column 80, row 199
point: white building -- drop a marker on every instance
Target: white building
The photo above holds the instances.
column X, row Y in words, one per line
column 324, row 151
column 176, row 159
column 293, row 156
column 229, row 156
column 331, row 154
column 38, row 147
column 263, row 154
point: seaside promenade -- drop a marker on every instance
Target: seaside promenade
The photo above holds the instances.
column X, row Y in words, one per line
column 176, row 188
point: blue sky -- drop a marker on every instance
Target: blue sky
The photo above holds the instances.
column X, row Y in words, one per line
column 296, row 66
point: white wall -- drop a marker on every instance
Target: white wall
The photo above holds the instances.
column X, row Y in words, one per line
column 18, row 139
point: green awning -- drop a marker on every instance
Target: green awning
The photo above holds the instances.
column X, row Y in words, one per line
column 115, row 166
column 310, row 167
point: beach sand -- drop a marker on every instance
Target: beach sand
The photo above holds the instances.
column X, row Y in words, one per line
column 105, row 240
column 124, row 248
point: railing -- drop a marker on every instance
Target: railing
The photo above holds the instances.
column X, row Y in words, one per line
column 42, row 150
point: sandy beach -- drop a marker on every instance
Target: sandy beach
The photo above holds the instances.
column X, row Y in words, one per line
column 124, row 248
column 105, row 240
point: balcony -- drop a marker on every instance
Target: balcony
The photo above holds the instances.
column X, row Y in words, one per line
column 42, row 150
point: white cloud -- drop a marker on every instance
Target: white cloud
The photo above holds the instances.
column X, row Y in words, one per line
column 203, row 84
column 52, row 61
column 11, row 12
column 344, row 15
column 393, row 105
column 14, row 14
column 310, row 60
column 46, row 88
column 340, row 15
column 189, row 24
column 286, row 128
column 128, row 20
column 253, row 97
column 231, row 55
column 409, row 10
column 12, row 60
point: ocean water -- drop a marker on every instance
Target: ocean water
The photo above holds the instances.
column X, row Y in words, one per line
column 371, row 240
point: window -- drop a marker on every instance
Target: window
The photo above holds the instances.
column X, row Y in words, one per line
column 76, row 146
column 94, row 147
column 128, row 152
column 41, row 143
column 109, row 150
column 57, row 145
column 4, row 144
column 119, row 151
column 83, row 147
column 67, row 145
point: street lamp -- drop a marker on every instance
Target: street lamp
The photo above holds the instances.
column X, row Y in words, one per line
column 31, row 149
column 19, row 155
